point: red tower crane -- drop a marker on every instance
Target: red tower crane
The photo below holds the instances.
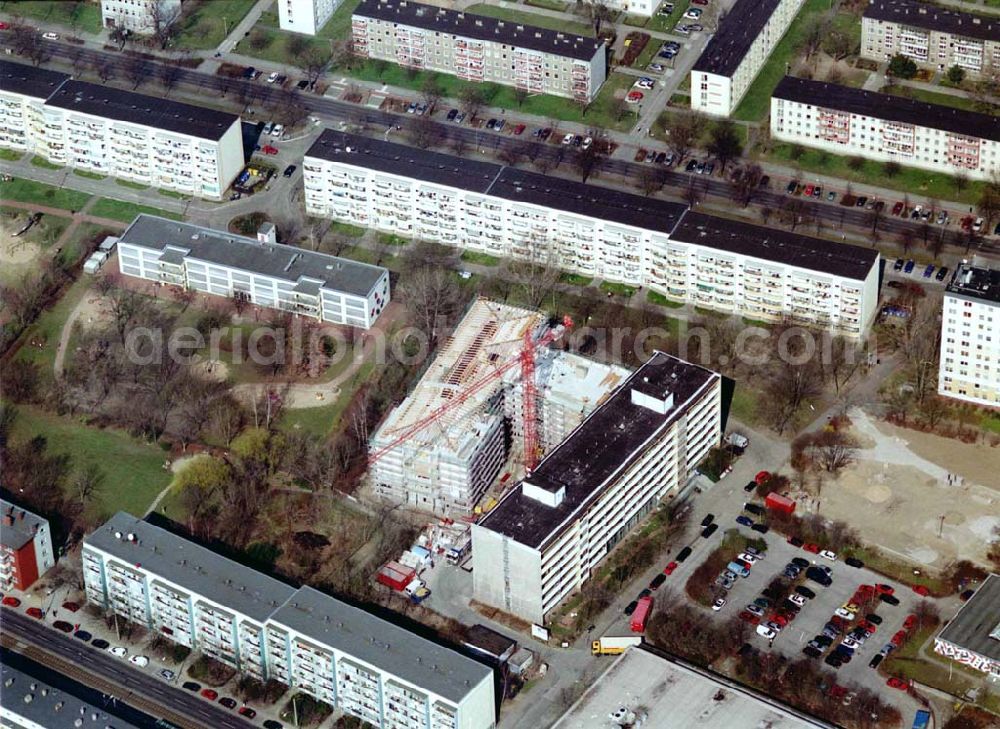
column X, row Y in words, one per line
column 526, row 359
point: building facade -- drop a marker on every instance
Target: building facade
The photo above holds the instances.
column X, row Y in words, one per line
column 736, row 53
column 596, row 232
column 358, row 663
column 140, row 16
column 932, row 36
column 969, row 367
column 850, row 121
column 315, row 285
column 26, row 551
column 23, row 91
column 546, row 536
column 479, row 48
column 305, row 16
column 972, row 637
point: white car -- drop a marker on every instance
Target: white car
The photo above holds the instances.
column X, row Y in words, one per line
column 849, row 642
column 644, row 83
column 754, row 610
column 718, row 603
column 278, row 130
column 50, row 36
column 567, row 139
column 766, row 632
column 827, row 554
column 977, row 225
column 797, row 599
column 273, row 77
column 587, row 142
column 845, row 614
column 117, row 650
column 748, row 558
column 693, row 13
column 140, row 661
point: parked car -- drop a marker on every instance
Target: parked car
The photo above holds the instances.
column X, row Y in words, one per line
column 100, row 644
column 761, row 528
column 35, row 613
column 683, row 554
column 191, row 686
column 718, row 603
column 141, row 661
column 70, row 606
column 750, row 486
column 83, row 635
column 11, row 601
column 272, row 724
column 630, row 608
column 657, row 581
column 709, row 518
column 247, row 712
column 928, row 270
column 709, row 530
column 118, row 651
column 669, row 569
column 805, row 592
column 518, row 129
column 228, row 702
column 942, row 273
column 272, row 77
column 854, row 561
column 50, row 36
column 278, row 130
column 210, row 694
column 909, row 266
column 827, row 554
column 289, row 171
column 876, row 659
column 167, row 674
column 898, row 683
column 811, row 548
column 62, row 626
column 767, row 632
column 889, row 599
column 744, row 520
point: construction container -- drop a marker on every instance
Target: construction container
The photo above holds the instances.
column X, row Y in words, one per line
column 777, row 502
column 395, row 575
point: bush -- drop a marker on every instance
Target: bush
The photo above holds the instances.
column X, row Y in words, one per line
column 956, row 75
column 902, row 67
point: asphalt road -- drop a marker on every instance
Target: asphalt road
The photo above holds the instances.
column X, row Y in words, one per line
column 113, row 676
column 259, row 94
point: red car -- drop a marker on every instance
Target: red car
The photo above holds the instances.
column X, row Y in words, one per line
column 4, row 26
column 898, row 638
column 669, row 569
column 247, row 712
column 268, row 149
column 35, row 613
column 870, row 590
column 921, row 590
column 898, row 683
column 810, row 547
column 71, row 606
column 762, row 477
column 210, row 694
column 868, row 627
column 749, row 617
column 779, row 619
column 518, row 130
column 11, row 601
column 897, row 208
column 910, row 623
column 808, row 191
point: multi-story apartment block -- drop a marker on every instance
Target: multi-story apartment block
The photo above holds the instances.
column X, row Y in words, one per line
column 852, row 121
column 736, row 53
column 358, row 663
column 932, row 36
column 140, row 16
column 544, row 538
column 305, row 16
column 479, row 48
column 969, row 368
column 262, row 272
column 25, row 547
column 590, row 230
column 23, row 91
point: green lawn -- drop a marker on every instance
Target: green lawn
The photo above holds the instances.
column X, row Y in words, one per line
column 174, row 194
column 756, row 103
column 39, row 161
column 47, row 328
column 86, row 173
column 133, row 469
column 84, row 16
column 574, row 279
column 389, row 239
column 320, row 420
column 660, row 300
column 744, row 407
column 126, row 211
column 618, row 289
column 339, row 24
column 646, row 57
column 351, row 231
column 666, row 23
column 529, row 18
column 29, row 191
column 131, row 185
column 483, row 259
column 931, row 97
column 919, row 183
column 208, row 25
column 548, row 4
column 10, row 155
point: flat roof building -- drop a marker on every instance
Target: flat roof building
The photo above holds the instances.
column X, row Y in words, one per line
column 544, row 538
column 305, row 16
column 23, row 91
column 850, row 121
column 144, row 17
column 972, row 637
column 317, row 285
column 734, row 56
column 480, row 48
column 930, row 35
column 969, row 366
column 26, row 551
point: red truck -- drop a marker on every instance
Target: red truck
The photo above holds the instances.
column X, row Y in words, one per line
column 777, row 502
column 641, row 614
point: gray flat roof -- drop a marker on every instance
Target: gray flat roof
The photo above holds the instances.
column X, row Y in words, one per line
column 888, row 107
column 20, row 78
column 481, row 27
column 378, row 642
column 487, row 178
column 737, row 32
column 248, row 254
column 192, row 567
column 933, row 17
column 150, row 111
column 976, row 625
column 976, row 282
column 613, row 436
column 22, row 530
column 779, row 246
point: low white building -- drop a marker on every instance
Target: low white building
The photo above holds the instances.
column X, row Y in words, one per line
column 305, row 16
column 358, row 663
column 850, row 121
column 140, row 16
column 263, row 273
column 480, row 48
column 547, row 535
column 972, row 637
column 736, row 53
column 969, row 367
column 23, row 91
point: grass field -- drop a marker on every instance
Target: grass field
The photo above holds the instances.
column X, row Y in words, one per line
column 663, row 23
column 133, row 470
column 126, row 211
column 529, row 18
column 29, row 191
column 351, row 231
column 80, row 16
column 619, row 289
column 10, row 155
column 48, row 326
column 483, row 259
column 756, row 103
column 320, row 420
column 744, row 407
column 548, row 4
column 131, row 185
column 208, row 25
column 660, row 300
column 574, row 279
column 39, row 161
column 955, row 102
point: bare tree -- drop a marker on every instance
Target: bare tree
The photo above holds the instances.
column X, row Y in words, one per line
column 170, row 75
column 424, row 133
column 137, row 70
column 432, row 296
column 683, row 131
column 431, row 92
column 472, row 100
column 588, row 162
column 313, row 62
column 165, row 18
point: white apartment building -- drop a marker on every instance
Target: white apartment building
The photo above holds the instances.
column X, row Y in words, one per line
column 736, row 53
column 305, row 16
column 152, row 141
column 850, row 121
column 932, row 36
column 23, row 91
column 358, row 663
column 546, row 536
column 140, row 16
column 480, row 48
column 260, row 271
column 446, row 466
column 26, row 551
column 597, row 232
column 969, row 368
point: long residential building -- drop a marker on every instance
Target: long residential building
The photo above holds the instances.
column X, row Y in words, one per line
column 850, row 121
column 26, row 551
column 259, row 271
column 932, row 36
column 547, row 535
column 108, row 131
column 140, row 16
column 597, row 232
column 480, row 48
column 353, row 660
column 734, row 56
column 305, row 16
column 969, row 367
